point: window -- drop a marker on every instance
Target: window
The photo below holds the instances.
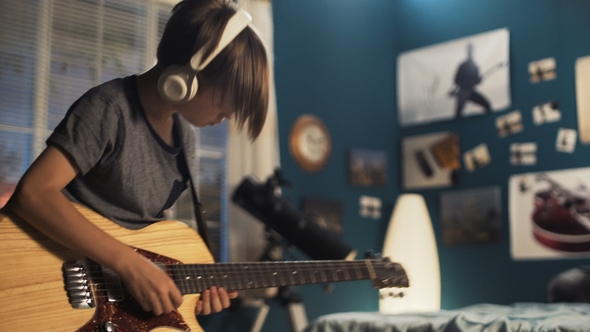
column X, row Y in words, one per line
column 52, row 51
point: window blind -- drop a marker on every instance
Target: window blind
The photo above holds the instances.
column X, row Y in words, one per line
column 52, row 51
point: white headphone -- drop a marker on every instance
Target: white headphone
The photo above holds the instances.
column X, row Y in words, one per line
column 179, row 84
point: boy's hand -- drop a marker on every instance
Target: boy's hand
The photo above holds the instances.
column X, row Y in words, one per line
column 149, row 286
column 214, row 300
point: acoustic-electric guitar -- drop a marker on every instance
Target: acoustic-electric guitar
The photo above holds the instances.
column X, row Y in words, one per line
column 47, row 287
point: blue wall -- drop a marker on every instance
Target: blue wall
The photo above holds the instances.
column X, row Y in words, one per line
column 538, row 29
column 336, row 59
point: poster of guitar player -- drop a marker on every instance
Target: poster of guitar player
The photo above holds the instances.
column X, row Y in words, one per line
column 455, row 79
column 550, row 214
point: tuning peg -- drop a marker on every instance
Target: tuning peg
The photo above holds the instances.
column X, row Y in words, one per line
column 369, row 254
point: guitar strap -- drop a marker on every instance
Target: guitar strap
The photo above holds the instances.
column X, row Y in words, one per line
column 198, row 211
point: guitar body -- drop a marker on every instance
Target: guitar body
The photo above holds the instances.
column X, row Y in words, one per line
column 32, row 289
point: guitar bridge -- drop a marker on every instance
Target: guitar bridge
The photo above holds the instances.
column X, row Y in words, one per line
column 77, row 284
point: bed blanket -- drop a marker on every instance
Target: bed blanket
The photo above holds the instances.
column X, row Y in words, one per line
column 521, row 317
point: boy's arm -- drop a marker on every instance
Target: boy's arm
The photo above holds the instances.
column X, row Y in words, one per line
column 39, row 200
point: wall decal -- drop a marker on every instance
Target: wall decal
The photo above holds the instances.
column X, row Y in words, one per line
column 523, row 153
column 542, row 70
column 471, row 215
column 509, row 124
column 462, row 77
column 430, row 160
column 549, row 214
column 477, row 157
column 566, row 140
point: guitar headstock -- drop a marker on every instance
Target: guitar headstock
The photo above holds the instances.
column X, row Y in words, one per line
column 388, row 274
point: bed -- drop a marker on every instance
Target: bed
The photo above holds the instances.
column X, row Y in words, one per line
column 522, row 317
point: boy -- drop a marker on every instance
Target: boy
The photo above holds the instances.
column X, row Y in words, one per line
column 122, row 148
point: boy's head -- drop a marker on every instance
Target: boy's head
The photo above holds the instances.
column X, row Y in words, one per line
column 240, row 69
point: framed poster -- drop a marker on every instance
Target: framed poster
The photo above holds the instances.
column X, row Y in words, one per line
column 430, row 160
column 463, row 77
column 550, row 214
column 471, row 215
column 367, row 168
column 326, row 212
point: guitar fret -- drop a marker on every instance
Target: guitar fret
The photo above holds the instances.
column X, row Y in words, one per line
column 199, row 278
column 334, row 275
column 301, row 274
column 359, row 273
column 179, row 279
column 211, row 280
column 273, row 278
column 281, row 275
column 236, row 269
column 185, row 287
column 192, row 273
column 225, row 278
column 251, row 278
column 266, row 274
column 290, row 274
column 346, row 274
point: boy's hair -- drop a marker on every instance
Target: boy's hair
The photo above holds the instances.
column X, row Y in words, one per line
column 241, row 69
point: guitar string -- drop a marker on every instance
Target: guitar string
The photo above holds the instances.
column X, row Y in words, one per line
column 280, row 269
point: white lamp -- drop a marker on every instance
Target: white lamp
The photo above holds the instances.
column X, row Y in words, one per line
column 410, row 241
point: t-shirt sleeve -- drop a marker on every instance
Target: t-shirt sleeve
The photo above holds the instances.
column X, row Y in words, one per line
column 89, row 131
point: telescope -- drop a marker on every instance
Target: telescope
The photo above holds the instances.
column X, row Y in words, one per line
column 263, row 201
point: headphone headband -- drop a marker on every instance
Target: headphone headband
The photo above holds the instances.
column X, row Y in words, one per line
column 236, row 24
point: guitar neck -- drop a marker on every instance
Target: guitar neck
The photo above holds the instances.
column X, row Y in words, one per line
column 194, row 278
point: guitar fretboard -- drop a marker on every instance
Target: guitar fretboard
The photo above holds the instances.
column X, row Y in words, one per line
column 194, row 278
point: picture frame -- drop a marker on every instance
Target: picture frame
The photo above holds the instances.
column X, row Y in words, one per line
column 326, row 212
column 367, row 167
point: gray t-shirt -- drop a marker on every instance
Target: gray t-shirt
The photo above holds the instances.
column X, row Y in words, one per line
column 127, row 173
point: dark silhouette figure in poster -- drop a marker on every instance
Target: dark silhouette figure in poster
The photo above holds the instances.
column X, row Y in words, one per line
column 466, row 78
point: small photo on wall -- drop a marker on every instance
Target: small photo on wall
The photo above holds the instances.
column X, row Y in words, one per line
column 367, row 168
column 477, row 157
column 326, row 212
column 566, row 140
column 542, row 70
column 430, row 160
column 523, row 153
column 509, row 124
column 370, row 207
column 471, row 216
column 546, row 112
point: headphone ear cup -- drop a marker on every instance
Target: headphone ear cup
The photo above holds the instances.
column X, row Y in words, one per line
column 177, row 84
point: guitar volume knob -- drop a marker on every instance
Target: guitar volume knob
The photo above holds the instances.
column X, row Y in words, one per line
column 107, row 327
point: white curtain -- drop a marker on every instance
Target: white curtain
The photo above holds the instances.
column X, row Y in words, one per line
column 259, row 158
